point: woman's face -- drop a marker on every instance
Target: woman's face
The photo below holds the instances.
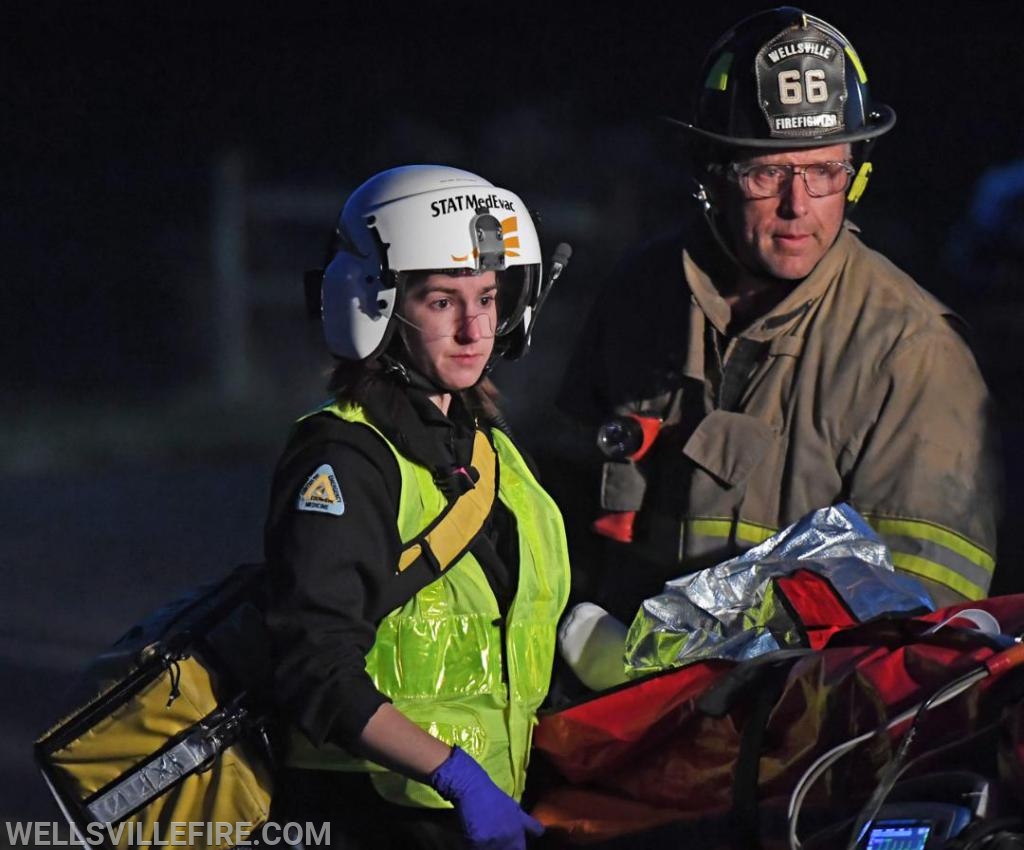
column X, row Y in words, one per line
column 449, row 327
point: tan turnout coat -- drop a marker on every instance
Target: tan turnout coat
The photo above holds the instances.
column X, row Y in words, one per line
column 856, row 387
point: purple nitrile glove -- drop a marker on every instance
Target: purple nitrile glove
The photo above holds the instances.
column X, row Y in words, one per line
column 491, row 819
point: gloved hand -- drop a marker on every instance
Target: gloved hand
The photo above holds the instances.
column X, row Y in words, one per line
column 491, row 819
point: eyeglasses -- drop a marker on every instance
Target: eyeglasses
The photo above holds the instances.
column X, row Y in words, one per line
column 442, row 316
column 769, row 181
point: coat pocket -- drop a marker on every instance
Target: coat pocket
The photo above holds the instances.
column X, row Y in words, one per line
column 729, row 445
column 622, row 486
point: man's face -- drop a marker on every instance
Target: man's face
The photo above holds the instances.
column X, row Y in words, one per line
column 785, row 236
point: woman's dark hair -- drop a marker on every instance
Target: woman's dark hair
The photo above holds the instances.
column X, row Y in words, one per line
column 350, row 380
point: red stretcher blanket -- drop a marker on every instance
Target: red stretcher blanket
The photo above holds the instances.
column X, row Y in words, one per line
column 719, row 738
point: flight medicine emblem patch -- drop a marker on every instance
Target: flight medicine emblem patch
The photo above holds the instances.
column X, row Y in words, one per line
column 321, row 493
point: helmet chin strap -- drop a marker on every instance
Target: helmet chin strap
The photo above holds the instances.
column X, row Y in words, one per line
column 711, row 217
column 399, row 366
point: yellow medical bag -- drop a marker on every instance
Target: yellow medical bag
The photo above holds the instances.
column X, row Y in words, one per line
column 169, row 740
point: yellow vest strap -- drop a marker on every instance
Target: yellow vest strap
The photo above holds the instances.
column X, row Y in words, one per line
column 445, row 540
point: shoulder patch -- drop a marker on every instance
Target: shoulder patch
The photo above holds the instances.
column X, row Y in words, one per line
column 321, row 493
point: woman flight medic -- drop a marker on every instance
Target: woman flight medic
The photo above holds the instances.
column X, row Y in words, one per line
column 418, row 570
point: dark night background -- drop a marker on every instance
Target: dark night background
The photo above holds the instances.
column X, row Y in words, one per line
column 170, row 173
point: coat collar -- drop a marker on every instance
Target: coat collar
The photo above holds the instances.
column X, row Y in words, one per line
column 782, row 318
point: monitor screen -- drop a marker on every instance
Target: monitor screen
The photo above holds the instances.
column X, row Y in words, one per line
column 899, row 835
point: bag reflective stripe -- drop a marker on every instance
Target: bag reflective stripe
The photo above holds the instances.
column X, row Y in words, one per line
column 169, row 736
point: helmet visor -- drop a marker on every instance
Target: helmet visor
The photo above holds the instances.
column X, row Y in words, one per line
column 444, row 309
column 517, row 287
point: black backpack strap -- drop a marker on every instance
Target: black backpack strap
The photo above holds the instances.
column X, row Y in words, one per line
column 759, row 683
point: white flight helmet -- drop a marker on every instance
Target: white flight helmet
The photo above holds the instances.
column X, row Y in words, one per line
column 420, row 218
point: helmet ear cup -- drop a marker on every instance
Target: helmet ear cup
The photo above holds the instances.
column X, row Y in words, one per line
column 357, row 302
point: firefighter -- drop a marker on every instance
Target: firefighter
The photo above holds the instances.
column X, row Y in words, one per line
column 764, row 362
column 417, row 567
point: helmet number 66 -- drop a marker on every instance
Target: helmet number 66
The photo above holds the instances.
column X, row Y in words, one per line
column 792, row 91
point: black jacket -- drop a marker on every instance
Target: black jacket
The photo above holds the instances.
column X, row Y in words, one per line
column 333, row 577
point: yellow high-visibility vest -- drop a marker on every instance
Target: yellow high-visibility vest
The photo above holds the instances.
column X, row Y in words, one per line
column 446, row 658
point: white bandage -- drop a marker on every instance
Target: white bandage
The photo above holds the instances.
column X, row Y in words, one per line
column 593, row 642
